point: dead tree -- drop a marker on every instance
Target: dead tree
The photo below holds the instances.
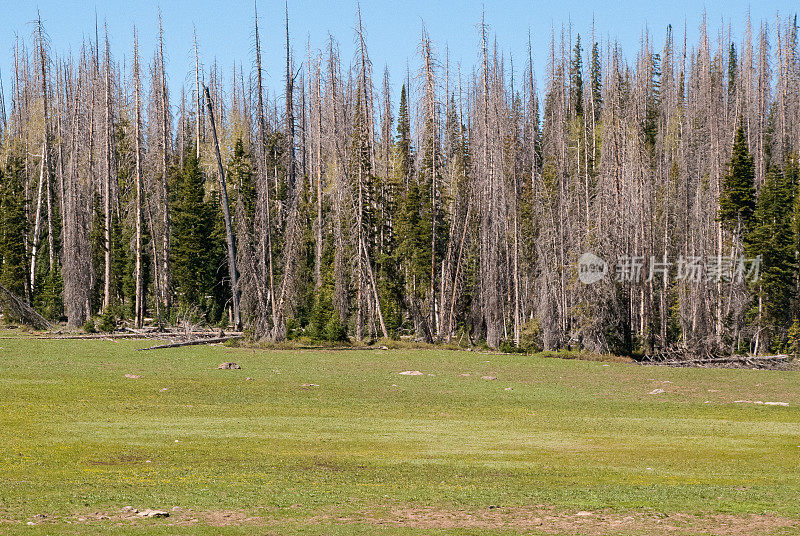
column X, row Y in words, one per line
column 232, row 270
column 138, row 246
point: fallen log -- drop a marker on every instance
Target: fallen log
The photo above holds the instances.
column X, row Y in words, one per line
column 722, row 360
column 23, row 310
column 103, row 336
column 192, row 342
column 134, row 335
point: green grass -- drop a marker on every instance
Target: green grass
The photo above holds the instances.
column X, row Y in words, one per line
column 77, row 436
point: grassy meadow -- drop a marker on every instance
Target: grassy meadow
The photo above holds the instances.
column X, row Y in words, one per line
column 338, row 443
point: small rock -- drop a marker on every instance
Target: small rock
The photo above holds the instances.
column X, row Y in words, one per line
column 384, row 348
column 411, row 373
column 508, row 389
column 656, row 391
column 228, row 366
column 153, row 513
column 164, row 389
column 81, row 519
column 307, row 385
column 488, row 377
column 133, row 376
column 31, row 523
column 583, row 513
column 248, row 379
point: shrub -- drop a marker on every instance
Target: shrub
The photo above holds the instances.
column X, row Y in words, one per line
column 108, row 322
column 88, row 326
column 334, row 330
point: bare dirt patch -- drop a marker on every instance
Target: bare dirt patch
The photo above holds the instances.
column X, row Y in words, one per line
column 176, row 516
column 590, row 523
column 537, row 519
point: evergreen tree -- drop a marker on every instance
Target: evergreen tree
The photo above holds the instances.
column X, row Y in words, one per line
column 406, row 216
column 240, row 177
column 772, row 238
column 653, row 105
column 733, row 62
column 13, row 227
column 737, row 199
column 98, row 242
column 403, row 147
column 597, row 82
column 576, row 80
column 192, row 230
column 217, row 285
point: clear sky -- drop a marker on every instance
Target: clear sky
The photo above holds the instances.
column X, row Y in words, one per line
column 224, row 28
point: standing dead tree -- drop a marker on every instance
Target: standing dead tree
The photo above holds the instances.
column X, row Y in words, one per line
column 232, row 270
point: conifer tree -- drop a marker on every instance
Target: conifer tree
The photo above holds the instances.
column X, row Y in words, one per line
column 13, row 227
column 192, row 231
column 772, row 239
column 597, row 82
column 576, row 80
column 737, row 199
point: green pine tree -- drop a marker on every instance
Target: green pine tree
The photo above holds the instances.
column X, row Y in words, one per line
column 192, row 229
column 772, row 238
column 240, row 178
column 576, row 80
column 738, row 198
column 596, row 75
column 13, row 227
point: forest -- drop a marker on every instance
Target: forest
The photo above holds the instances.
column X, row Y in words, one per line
column 333, row 208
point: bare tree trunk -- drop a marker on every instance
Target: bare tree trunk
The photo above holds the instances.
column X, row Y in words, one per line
column 317, row 99
column 44, row 181
column 165, row 251
column 199, row 97
column 38, row 222
column 265, row 258
column 232, row 270
column 107, row 189
column 138, row 276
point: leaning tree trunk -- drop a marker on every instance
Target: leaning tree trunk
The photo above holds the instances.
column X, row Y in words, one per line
column 232, row 271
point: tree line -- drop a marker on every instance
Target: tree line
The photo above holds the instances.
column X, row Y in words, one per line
column 333, row 208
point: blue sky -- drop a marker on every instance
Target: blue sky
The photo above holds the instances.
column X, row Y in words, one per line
column 393, row 28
